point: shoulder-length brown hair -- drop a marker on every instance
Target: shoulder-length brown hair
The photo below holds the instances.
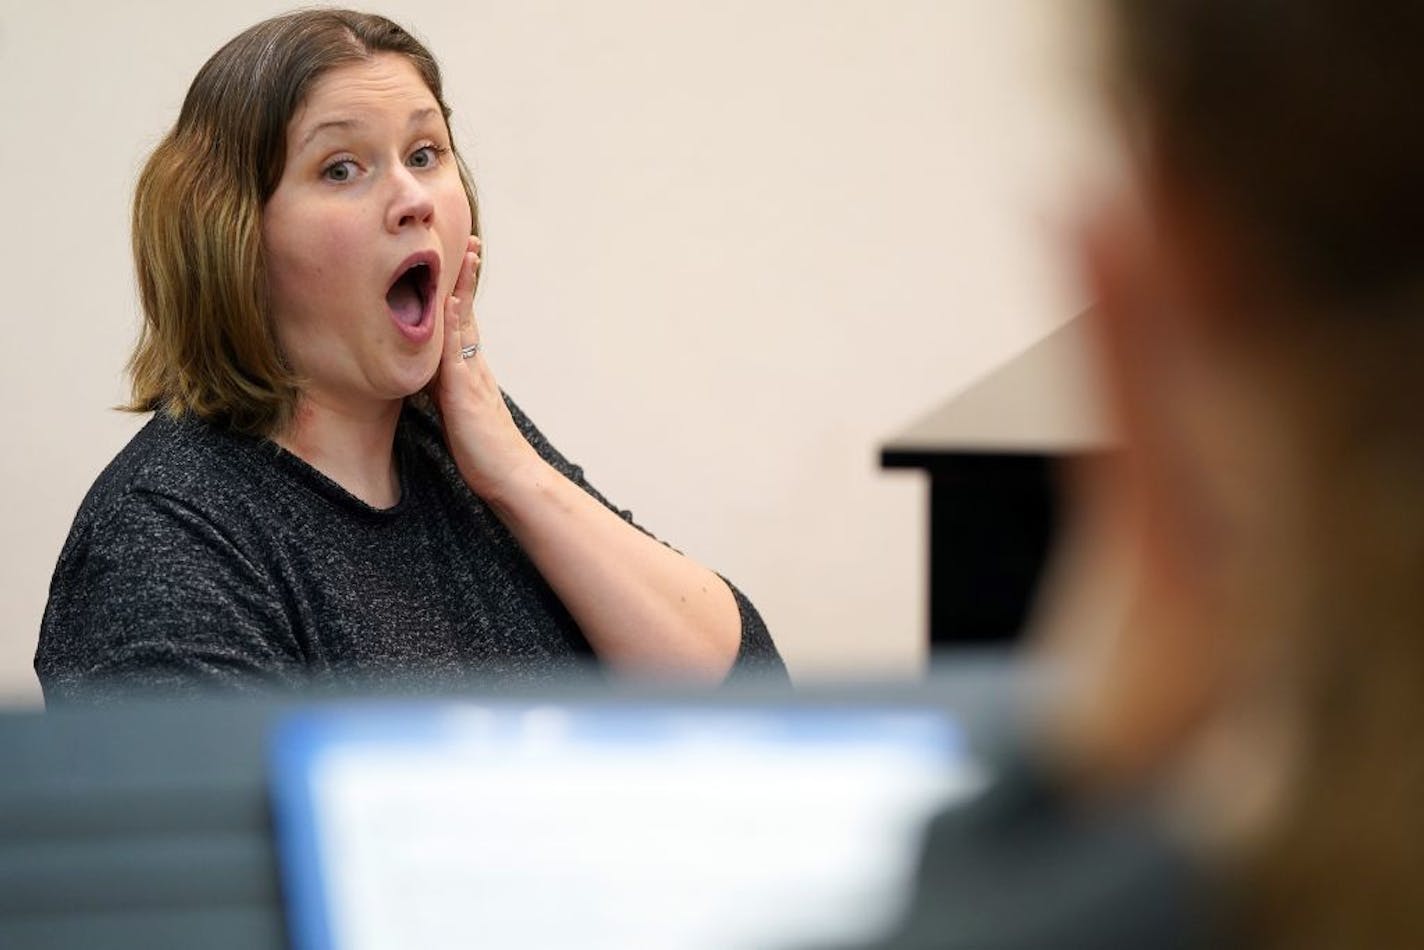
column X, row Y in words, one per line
column 208, row 346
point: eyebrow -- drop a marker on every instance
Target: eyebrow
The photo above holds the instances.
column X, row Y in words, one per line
column 416, row 117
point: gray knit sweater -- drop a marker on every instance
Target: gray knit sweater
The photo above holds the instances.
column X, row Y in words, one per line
column 203, row 558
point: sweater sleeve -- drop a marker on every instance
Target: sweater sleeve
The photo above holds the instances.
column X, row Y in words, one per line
column 757, row 656
column 157, row 598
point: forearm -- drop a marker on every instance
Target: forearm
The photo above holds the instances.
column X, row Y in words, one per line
column 643, row 607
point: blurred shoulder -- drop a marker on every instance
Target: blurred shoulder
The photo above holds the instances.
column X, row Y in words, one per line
column 1025, row 865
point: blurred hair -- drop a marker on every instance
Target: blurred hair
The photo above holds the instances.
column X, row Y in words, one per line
column 208, row 346
column 1301, row 124
column 1300, row 115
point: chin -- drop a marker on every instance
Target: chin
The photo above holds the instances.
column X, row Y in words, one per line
column 408, row 380
column 411, row 387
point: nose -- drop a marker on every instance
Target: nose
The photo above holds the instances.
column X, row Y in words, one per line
column 410, row 202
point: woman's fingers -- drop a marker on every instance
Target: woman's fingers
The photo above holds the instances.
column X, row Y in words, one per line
column 450, row 347
column 465, row 291
column 460, row 329
column 465, row 285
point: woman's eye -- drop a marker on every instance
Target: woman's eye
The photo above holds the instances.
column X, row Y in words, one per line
column 425, row 156
column 339, row 171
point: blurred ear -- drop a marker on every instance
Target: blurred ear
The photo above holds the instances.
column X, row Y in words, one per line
column 1133, row 343
column 1176, row 380
column 1142, row 686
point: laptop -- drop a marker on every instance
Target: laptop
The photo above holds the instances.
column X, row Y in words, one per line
column 597, row 824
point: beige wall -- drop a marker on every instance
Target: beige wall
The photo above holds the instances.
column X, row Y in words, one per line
column 730, row 247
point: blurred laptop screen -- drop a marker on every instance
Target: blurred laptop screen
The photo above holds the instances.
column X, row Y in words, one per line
column 605, row 826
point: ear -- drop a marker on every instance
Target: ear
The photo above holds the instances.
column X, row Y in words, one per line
column 1146, row 683
column 1155, row 336
column 1131, row 339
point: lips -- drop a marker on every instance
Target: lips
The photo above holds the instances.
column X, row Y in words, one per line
column 410, row 295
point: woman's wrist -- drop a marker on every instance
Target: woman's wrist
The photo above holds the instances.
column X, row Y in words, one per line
column 508, row 486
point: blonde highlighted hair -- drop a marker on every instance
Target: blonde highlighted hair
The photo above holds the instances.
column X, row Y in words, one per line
column 208, row 346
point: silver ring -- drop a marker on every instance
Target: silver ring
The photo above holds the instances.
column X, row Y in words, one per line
column 468, row 352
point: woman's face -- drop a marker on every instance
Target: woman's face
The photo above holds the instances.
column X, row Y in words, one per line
column 370, row 188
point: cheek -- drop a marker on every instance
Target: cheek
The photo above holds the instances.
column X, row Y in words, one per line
column 286, row 256
column 454, row 233
column 308, row 256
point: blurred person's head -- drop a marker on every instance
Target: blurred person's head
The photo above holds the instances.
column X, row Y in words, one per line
column 311, row 158
column 1260, row 327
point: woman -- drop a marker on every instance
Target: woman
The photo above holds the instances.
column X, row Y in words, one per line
column 332, row 485
column 1235, row 760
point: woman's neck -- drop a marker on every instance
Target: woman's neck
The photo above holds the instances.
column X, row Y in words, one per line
column 352, row 446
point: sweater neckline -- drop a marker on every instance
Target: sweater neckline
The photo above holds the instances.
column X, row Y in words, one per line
column 314, row 480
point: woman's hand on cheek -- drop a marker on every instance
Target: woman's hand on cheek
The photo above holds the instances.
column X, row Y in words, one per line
column 487, row 446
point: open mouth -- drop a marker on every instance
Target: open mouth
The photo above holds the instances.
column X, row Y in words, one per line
column 410, row 293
